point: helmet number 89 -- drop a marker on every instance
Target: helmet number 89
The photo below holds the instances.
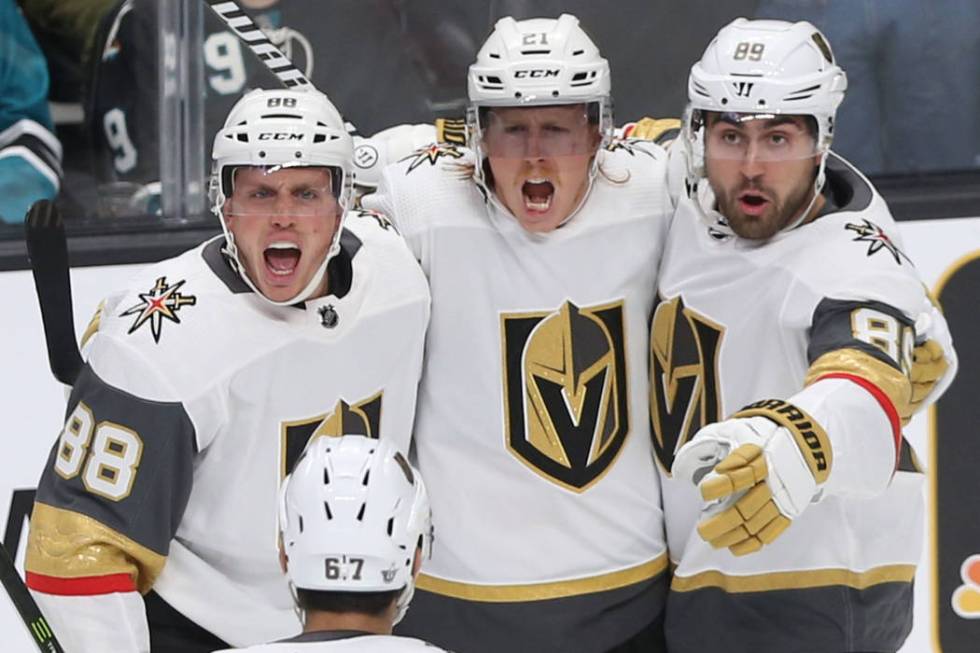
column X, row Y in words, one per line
column 107, row 461
column 750, row 51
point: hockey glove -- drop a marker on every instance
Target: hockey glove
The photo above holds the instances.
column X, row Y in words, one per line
column 757, row 471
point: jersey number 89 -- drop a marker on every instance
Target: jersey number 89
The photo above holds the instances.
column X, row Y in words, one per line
column 107, row 461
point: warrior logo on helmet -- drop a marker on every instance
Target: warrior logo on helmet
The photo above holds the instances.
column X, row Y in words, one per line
column 684, row 389
column 565, row 391
column 358, row 418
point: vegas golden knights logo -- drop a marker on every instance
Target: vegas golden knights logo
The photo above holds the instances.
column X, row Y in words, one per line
column 361, row 418
column 565, row 391
column 684, row 392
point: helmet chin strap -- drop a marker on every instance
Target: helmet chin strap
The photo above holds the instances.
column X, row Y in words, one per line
column 817, row 188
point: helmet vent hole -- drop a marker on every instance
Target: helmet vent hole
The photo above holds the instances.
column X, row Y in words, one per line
column 578, row 52
column 391, row 526
column 535, row 51
column 360, row 513
column 241, row 137
column 724, row 100
column 301, row 523
column 367, row 475
column 326, row 476
column 319, row 138
column 577, row 77
column 492, row 79
column 494, row 55
column 517, row 94
column 554, row 94
column 326, row 510
column 762, row 103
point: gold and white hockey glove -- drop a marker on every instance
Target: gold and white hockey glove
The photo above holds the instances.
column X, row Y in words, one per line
column 756, row 472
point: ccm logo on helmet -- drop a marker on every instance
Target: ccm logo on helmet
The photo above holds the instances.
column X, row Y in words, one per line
column 536, row 73
column 280, row 136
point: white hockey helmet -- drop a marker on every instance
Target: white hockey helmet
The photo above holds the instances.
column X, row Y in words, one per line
column 764, row 68
column 278, row 129
column 538, row 62
column 352, row 514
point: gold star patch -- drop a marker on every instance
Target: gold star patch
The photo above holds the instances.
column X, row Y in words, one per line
column 877, row 239
column 161, row 302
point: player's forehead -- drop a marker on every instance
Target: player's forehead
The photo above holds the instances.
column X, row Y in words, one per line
column 554, row 113
column 276, row 176
column 757, row 121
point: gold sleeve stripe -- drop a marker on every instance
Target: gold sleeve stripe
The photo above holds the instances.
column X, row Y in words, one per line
column 795, row 580
column 809, row 435
column 896, row 385
column 543, row 591
column 93, row 324
column 67, row 544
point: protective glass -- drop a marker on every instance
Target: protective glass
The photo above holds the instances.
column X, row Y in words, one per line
column 297, row 191
column 539, row 132
column 758, row 137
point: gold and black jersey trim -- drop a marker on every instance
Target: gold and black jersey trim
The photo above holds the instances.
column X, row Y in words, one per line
column 544, row 591
column 794, row 580
column 68, row 544
column 892, row 382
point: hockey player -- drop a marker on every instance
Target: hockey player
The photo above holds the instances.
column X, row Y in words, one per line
column 204, row 381
column 780, row 352
column 539, row 240
column 354, row 526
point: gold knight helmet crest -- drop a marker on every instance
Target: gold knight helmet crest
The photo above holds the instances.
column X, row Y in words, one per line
column 567, row 413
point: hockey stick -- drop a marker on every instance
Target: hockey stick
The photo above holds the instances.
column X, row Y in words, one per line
column 256, row 40
column 31, row 614
column 47, row 250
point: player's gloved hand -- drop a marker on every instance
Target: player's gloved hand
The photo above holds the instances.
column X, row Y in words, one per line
column 755, row 474
column 659, row 130
column 929, row 366
column 372, row 154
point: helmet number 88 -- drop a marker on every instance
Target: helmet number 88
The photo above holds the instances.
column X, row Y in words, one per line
column 108, row 461
column 750, row 51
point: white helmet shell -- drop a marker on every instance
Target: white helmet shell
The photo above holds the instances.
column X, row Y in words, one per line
column 352, row 514
column 770, row 67
column 538, row 61
column 282, row 128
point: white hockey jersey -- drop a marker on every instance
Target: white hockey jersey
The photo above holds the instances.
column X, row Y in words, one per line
column 532, row 430
column 197, row 397
column 343, row 642
column 830, row 304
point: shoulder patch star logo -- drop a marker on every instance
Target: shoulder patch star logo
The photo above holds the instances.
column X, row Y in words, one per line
column 432, row 154
column 877, row 239
column 161, row 302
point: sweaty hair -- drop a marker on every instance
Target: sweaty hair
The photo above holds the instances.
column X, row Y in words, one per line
column 369, row 603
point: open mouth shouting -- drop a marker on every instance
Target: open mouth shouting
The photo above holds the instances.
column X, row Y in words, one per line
column 281, row 262
column 753, row 202
column 538, row 195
